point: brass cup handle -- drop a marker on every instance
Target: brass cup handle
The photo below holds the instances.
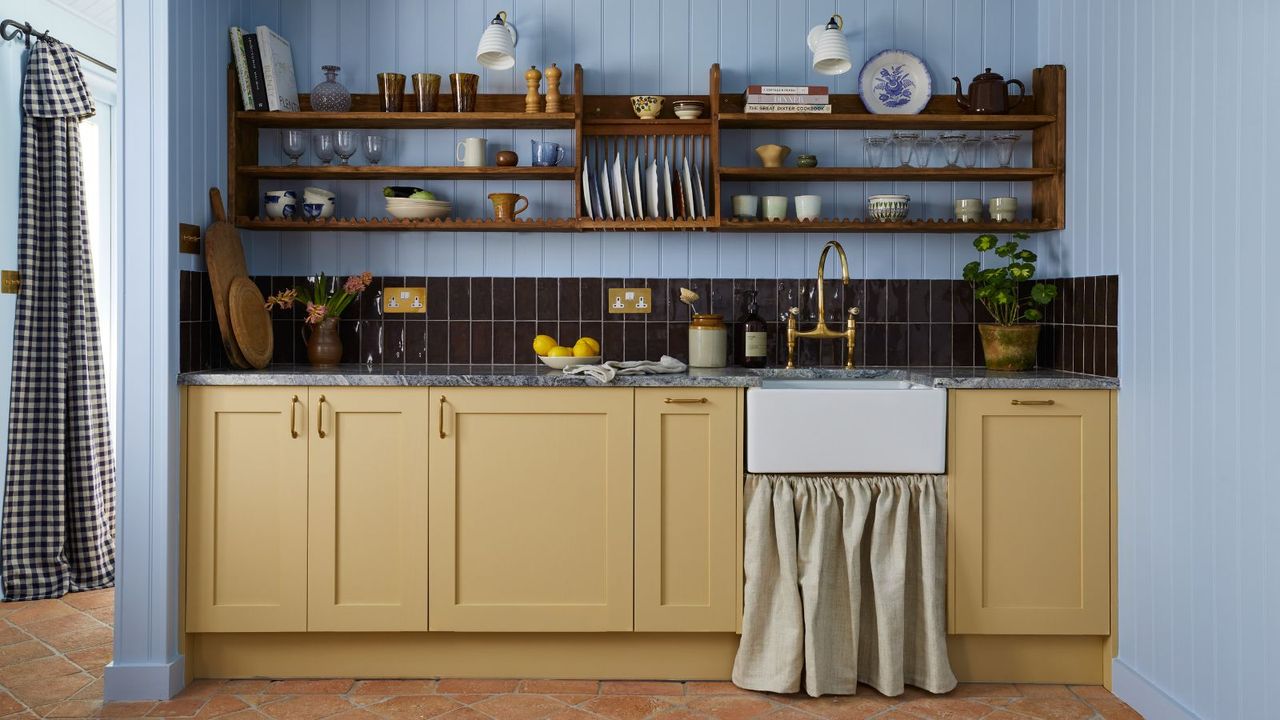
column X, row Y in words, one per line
column 320, row 417
column 1031, row 402
column 685, row 401
column 441, row 423
column 293, row 417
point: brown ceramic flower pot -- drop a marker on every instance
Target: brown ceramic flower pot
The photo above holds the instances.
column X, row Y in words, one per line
column 1009, row 347
column 324, row 347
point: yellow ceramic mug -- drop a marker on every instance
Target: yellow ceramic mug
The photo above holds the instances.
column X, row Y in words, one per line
column 504, row 205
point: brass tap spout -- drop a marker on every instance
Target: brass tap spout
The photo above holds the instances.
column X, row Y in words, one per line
column 821, row 331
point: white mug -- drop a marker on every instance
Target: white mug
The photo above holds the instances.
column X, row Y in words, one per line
column 775, row 207
column 471, row 151
column 1002, row 209
column 808, row 207
column 746, row 207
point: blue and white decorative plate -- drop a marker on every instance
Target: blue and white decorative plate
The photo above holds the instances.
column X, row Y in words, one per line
column 895, row 82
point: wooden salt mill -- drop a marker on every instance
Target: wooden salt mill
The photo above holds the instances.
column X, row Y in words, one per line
column 532, row 78
column 553, row 89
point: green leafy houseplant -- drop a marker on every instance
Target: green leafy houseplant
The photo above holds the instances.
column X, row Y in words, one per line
column 1009, row 343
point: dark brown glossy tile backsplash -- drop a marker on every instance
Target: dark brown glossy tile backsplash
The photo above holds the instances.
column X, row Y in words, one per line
column 493, row 320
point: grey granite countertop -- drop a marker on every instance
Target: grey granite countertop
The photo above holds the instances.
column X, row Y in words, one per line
column 538, row 376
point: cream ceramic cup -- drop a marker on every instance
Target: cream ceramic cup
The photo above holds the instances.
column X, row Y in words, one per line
column 1002, row 209
column 746, row 207
column 808, row 207
column 775, row 207
column 969, row 209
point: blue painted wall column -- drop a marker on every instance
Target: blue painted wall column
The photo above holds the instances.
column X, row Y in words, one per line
column 146, row 663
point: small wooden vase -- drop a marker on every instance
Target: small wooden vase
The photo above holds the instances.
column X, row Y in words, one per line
column 553, row 89
column 324, row 346
column 532, row 78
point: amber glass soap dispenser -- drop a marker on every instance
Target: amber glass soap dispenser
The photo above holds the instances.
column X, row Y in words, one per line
column 753, row 335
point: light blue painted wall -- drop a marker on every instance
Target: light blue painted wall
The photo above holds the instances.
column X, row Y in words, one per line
column 78, row 33
column 625, row 46
column 1172, row 173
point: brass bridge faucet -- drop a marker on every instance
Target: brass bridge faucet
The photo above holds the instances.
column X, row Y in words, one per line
column 821, row 331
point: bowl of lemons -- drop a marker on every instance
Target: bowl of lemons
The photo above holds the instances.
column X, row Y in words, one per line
column 586, row 351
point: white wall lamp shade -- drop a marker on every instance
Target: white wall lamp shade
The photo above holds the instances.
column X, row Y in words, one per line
column 830, row 48
column 497, row 50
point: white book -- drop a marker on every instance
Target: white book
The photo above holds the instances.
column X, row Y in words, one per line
column 785, row 108
column 277, row 67
column 242, row 66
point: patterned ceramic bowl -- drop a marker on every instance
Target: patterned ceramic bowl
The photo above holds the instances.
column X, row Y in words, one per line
column 888, row 208
column 647, row 107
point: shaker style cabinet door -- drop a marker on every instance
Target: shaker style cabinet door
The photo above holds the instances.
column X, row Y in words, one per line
column 368, row 509
column 530, row 509
column 686, row 490
column 1030, row 492
column 246, row 524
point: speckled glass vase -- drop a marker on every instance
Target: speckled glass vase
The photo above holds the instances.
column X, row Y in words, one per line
column 330, row 95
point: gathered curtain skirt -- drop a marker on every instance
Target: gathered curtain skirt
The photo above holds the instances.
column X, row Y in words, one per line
column 845, row 583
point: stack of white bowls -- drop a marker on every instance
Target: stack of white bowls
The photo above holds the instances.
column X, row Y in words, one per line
column 411, row 209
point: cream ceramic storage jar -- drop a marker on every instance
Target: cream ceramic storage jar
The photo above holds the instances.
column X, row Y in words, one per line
column 708, row 341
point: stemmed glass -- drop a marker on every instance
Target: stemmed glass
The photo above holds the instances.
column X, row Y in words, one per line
column 294, row 144
column 874, row 146
column 345, row 144
column 969, row 150
column 322, row 145
column 924, row 148
column 373, row 146
column 1004, row 148
column 905, row 142
column 952, row 142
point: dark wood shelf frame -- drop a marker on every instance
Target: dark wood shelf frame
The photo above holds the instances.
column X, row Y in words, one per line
column 611, row 116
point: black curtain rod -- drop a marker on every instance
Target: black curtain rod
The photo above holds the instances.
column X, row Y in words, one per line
column 10, row 29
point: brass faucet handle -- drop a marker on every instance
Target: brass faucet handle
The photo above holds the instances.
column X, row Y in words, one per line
column 853, row 311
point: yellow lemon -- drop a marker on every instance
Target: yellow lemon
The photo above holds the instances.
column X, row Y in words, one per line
column 595, row 345
column 560, row 351
column 543, row 344
column 582, row 348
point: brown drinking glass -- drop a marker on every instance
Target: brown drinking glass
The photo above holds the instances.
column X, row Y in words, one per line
column 426, row 89
column 464, row 91
column 391, row 91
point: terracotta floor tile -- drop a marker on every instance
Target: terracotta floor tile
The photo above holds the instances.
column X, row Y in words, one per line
column 1039, row 690
column 104, row 615
column 945, row 709
column 841, row 707
column 23, row 652
column 784, row 712
column 981, row 690
column 178, row 707
column 220, row 705
column 47, row 690
column 464, row 713
column 80, row 639
column 10, row 634
column 39, row 611
column 43, row 668
column 309, row 687
column 306, row 707
column 573, row 699
column 62, row 625
column 1004, row 715
column 1092, row 691
column 571, row 713
column 417, row 707
column 641, row 687
column 9, row 704
column 469, row 698
column 394, row 687
column 92, row 691
column 476, row 685
column 1114, row 710
column 729, row 707
column 91, row 660
column 518, row 707
column 1052, row 708
column 202, row 688
column 551, row 687
column 250, row 714
column 72, row 709
column 125, row 709
column 624, row 707
column 242, row 687
column 896, row 715
column 680, row 712
column 91, row 599
column 716, row 688
column 354, row 714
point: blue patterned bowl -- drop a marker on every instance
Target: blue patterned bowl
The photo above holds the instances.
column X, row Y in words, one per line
column 311, row 211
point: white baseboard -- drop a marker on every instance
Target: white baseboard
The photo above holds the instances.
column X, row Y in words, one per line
column 1150, row 701
column 160, row 681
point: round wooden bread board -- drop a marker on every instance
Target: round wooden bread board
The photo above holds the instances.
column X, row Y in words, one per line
column 250, row 322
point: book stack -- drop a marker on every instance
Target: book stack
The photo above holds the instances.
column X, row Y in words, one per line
column 787, row 99
column 264, row 63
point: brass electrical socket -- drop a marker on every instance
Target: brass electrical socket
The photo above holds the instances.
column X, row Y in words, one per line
column 630, row 300
column 10, row 282
column 188, row 238
column 404, row 300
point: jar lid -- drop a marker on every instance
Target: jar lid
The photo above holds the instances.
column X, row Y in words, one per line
column 708, row 320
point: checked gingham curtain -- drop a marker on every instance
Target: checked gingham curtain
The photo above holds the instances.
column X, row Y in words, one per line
column 57, row 532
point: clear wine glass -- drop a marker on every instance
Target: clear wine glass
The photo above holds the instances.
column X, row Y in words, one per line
column 969, row 150
column 1004, row 148
column 905, row 143
column 345, row 144
column 924, row 148
column 373, row 147
column 874, row 146
column 952, row 143
column 294, row 144
column 322, row 146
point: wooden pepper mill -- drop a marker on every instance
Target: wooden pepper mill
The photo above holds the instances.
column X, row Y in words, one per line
column 553, row 89
column 532, row 78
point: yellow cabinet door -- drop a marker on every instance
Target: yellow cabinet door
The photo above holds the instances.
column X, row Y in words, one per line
column 368, row 509
column 246, row 509
column 530, row 509
column 686, row 479
column 1030, row 495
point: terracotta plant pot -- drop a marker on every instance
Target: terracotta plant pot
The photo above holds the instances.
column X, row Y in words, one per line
column 324, row 346
column 1009, row 347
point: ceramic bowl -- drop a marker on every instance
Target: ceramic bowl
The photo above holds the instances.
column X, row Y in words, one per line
column 561, row 363
column 647, row 107
column 283, row 208
column 888, row 208
column 688, row 113
column 689, row 109
column 316, row 194
column 419, row 209
column 311, row 211
column 327, row 204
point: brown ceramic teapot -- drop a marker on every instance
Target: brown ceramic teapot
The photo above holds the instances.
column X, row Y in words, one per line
column 989, row 94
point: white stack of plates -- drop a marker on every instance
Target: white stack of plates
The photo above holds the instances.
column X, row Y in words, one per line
column 410, row 209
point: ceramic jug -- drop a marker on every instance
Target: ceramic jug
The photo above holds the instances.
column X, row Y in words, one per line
column 989, row 94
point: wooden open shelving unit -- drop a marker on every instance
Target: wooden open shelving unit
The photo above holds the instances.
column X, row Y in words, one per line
column 608, row 118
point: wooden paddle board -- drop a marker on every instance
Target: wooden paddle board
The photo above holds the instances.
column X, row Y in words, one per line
column 250, row 321
column 224, row 261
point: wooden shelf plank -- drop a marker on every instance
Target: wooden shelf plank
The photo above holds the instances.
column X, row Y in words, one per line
column 871, row 226
column 392, row 172
column 649, row 224
column 405, row 120
column 941, row 174
column 868, row 121
column 395, row 225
